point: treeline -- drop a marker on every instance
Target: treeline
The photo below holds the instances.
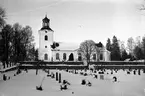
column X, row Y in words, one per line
column 134, row 50
column 16, row 42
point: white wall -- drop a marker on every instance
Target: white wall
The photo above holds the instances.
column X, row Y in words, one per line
column 43, row 43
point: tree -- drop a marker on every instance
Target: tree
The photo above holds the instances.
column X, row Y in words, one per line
column 36, row 55
column 2, row 17
column 138, row 53
column 124, row 55
column 7, row 41
column 87, row 48
column 108, row 44
column 130, row 46
column 54, row 45
column 143, row 47
column 115, row 52
column 22, row 42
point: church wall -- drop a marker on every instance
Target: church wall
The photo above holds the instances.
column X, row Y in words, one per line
column 68, row 52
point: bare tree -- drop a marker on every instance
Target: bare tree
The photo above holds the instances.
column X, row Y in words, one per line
column 130, row 45
column 87, row 48
column 2, row 17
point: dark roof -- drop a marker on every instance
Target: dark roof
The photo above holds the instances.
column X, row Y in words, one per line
column 46, row 19
column 48, row 28
column 99, row 44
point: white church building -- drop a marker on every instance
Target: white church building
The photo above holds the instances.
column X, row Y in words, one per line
column 64, row 51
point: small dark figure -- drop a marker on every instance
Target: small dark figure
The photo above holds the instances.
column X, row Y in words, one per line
column 95, row 76
column 83, row 82
column 14, row 74
column 134, row 72
column 64, row 85
column 59, row 78
column 85, row 74
column 95, row 71
column 138, row 72
column 128, row 72
column 143, row 70
column 89, row 83
column 66, row 82
column 9, row 78
column 4, row 77
column 115, row 79
column 48, row 75
column 39, row 88
column 111, row 72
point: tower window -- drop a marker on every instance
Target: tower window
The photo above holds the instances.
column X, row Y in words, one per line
column 45, row 46
column 46, row 37
column 45, row 31
column 57, row 56
column 45, row 56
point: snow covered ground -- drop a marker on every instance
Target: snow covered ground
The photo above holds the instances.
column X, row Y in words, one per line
column 25, row 84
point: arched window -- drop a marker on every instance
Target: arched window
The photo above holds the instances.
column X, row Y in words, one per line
column 46, row 37
column 94, row 57
column 79, row 57
column 101, row 56
column 57, row 56
column 71, row 57
column 64, row 56
column 45, row 56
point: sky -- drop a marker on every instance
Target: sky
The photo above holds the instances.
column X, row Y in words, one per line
column 79, row 20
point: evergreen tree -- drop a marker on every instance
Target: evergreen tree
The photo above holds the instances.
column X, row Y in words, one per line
column 108, row 44
column 115, row 52
column 138, row 53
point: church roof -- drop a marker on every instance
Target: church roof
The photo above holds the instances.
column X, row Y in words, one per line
column 46, row 19
column 67, row 46
column 48, row 28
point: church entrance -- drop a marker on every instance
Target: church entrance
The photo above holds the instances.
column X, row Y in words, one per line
column 45, row 56
column 71, row 57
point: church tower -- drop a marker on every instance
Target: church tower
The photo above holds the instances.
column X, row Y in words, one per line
column 45, row 40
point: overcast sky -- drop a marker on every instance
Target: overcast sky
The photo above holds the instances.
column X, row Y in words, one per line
column 79, row 20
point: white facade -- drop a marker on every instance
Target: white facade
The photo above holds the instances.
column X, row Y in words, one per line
column 65, row 52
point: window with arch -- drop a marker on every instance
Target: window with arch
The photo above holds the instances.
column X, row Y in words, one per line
column 71, row 57
column 79, row 57
column 45, row 56
column 94, row 57
column 64, row 56
column 101, row 56
column 46, row 37
column 57, row 56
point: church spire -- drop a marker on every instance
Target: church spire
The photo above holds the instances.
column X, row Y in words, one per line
column 46, row 15
column 45, row 23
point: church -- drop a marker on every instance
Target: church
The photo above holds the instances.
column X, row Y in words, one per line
column 49, row 50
